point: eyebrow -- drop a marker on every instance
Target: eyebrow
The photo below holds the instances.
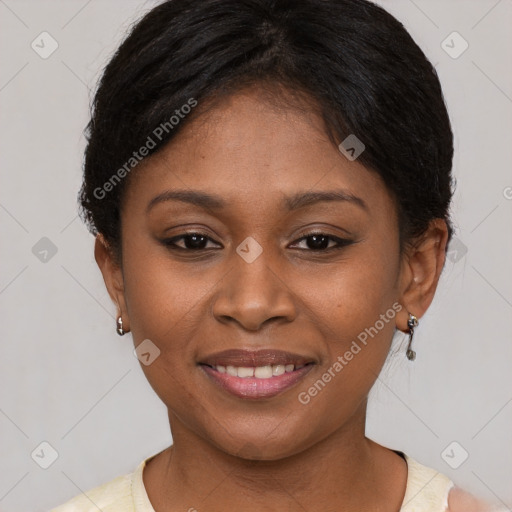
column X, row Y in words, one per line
column 214, row 202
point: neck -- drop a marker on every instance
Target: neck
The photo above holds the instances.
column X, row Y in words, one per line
column 343, row 471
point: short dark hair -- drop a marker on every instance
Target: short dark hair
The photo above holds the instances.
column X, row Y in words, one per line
column 361, row 69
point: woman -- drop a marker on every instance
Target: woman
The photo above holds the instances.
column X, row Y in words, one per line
column 269, row 184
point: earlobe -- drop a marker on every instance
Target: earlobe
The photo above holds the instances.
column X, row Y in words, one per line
column 112, row 276
column 422, row 266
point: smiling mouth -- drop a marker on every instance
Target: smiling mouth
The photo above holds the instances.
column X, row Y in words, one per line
column 256, row 374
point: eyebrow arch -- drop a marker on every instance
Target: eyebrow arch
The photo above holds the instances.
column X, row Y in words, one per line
column 206, row 201
column 303, row 199
column 213, row 202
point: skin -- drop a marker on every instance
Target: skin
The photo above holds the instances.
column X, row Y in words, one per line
column 231, row 453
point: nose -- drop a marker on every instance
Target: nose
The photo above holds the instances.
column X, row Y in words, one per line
column 254, row 294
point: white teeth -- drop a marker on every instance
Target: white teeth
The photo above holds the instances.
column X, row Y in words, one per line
column 278, row 369
column 260, row 372
column 245, row 372
column 263, row 372
column 231, row 370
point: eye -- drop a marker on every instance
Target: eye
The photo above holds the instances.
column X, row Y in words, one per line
column 192, row 241
column 316, row 241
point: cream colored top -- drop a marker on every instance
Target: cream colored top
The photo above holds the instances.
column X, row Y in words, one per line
column 427, row 491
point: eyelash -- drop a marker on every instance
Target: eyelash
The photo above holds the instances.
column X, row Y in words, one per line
column 341, row 242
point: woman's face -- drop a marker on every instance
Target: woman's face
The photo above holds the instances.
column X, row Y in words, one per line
column 254, row 278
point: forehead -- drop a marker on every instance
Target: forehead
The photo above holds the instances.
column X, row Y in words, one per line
column 251, row 151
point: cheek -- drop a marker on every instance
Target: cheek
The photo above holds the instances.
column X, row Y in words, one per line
column 162, row 307
column 162, row 297
column 351, row 296
column 355, row 307
column 356, row 316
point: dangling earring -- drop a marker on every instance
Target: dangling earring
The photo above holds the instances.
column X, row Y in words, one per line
column 119, row 328
column 412, row 322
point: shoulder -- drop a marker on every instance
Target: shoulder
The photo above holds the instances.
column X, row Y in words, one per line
column 430, row 490
column 460, row 500
column 427, row 489
column 113, row 496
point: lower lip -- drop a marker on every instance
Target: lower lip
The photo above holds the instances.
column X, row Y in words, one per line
column 252, row 387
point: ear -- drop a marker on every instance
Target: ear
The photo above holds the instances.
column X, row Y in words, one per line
column 422, row 264
column 113, row 276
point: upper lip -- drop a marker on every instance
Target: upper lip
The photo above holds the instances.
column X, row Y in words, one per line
column 255, row 358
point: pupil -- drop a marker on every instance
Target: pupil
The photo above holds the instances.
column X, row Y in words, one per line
column 319, row 242
column 194, row 241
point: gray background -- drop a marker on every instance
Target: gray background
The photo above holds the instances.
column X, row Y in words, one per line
column 69, row 380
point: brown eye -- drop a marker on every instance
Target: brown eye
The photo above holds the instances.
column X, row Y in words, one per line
column 191, row 242
column 320, row 242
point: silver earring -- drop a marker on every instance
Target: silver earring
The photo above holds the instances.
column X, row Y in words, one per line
column 119, row 328
column 412, row 322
